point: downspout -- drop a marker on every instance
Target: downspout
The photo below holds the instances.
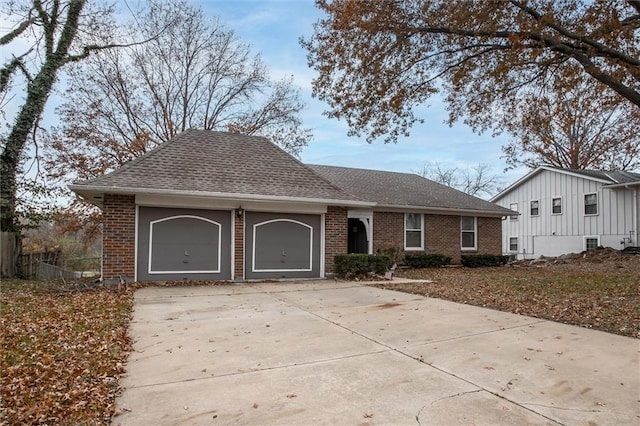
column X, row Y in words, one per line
column 634, row 215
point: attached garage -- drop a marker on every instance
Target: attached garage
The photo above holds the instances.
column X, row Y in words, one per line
column 282, row 245
column 183, row 244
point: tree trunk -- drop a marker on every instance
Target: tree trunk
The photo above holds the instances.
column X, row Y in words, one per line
column 38, row 90
column 37, row 93
column 9, row 253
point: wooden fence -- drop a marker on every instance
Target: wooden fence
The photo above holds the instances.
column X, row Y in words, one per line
column 29, row 264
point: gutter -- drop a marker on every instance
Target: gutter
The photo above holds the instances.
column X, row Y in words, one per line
column 455, row 211
column 80, row 189
column 635, row 216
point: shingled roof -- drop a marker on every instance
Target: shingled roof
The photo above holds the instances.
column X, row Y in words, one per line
column 391, row 189
column 217, row 164
column 206, row 162
column 608, row 178
column 615, row 177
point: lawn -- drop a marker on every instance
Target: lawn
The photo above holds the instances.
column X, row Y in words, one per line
column 63, row 352
column 600, row 295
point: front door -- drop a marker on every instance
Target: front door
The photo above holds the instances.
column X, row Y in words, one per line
column 357, row 237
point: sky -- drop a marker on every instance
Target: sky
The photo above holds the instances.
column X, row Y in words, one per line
column 273, row 29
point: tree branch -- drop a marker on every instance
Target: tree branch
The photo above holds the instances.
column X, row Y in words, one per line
column 605, row 51
column 7, row 38
column 8, row 70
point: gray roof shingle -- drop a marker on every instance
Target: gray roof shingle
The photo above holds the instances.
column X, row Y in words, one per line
column 613, row 176
column 220, row 162
column 207, row 162
column 402, row 189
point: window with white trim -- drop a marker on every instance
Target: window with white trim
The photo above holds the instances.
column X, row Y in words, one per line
column 467, row 232
column 535, row 208
column 413, row 226
column 514, row 207
column 513, row 244
column 556, row 205
column 591, row 204
column 591, row 242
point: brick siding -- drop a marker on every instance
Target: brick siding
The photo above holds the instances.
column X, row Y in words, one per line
column 118, row 240
column 335, row 228
column 441, row 234
column 388, row 231
column 489, row 235
column 238, row 262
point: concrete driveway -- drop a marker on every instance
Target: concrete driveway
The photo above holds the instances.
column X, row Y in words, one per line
column 347, row 354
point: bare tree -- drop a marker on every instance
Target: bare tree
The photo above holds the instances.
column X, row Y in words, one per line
column 57, row 33
column 477, row 180
column 196, row 74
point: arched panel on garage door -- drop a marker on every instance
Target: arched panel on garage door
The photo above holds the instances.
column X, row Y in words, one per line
column 282, row 245
column 294, row 242
column 183, row 244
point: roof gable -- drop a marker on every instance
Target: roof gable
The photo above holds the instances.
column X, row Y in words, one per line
column 607, row 178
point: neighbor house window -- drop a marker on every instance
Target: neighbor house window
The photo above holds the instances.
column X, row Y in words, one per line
column 514, row 207
column 513, row 244
column 590, row 204
column 468, row 233
column 413, row 225
column 591, row 242
column 556, row 205
column 535, row 208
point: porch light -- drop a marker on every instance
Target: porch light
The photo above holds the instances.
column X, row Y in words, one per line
column 239, row 211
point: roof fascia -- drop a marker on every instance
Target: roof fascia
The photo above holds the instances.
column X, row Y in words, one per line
column 622, row 185
column 89, row 191
column 518, row 182
column 441, row 210
column 539, row 170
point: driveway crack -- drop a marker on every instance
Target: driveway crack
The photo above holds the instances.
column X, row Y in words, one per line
column 440, row 399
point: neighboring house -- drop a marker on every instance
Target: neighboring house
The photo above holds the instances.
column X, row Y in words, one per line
column 221, row 206
column 567, row 211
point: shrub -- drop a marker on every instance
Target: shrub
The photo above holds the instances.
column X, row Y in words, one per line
column 481, row 260
column 426, row 260
column 356, row 264
column 395, row 254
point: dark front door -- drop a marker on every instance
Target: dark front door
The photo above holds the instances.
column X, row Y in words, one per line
column 357, row 239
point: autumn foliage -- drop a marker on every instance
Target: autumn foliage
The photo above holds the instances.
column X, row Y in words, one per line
column 379, row 59
column 62, row 353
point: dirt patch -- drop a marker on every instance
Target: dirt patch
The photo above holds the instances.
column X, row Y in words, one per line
column 386, row 306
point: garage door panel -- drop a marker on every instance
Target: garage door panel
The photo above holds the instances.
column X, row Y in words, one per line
column 281, row 245
column 183, row 244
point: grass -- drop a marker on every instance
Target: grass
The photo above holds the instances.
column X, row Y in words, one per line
column 607, row 300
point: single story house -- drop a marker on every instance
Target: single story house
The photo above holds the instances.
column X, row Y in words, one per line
column 568, row 211
column 224, row 206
